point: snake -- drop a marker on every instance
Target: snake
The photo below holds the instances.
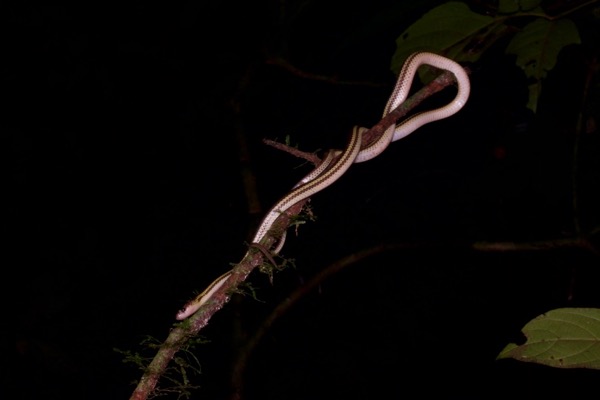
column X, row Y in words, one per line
column 337, row 162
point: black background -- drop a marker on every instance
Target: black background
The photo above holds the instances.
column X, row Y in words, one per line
column 124, row 124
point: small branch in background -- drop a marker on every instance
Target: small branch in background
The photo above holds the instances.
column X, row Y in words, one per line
column 318, row 279
column 581, row 129
column 280, row 62
column 569, row 243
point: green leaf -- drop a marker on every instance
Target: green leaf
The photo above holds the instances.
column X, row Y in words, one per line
column 537, row 47
column 452, row 30
column 561, row 338
column 508, row 6
column 513, row 6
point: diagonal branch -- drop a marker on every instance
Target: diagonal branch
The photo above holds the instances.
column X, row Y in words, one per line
column 190, row 327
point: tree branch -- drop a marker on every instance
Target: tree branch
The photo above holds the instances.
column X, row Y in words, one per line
column 190, row 327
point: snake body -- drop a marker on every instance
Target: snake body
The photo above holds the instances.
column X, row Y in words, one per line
column 337, row 162
column 400, row 93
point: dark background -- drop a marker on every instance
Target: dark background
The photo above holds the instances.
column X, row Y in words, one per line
column 125, row 125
